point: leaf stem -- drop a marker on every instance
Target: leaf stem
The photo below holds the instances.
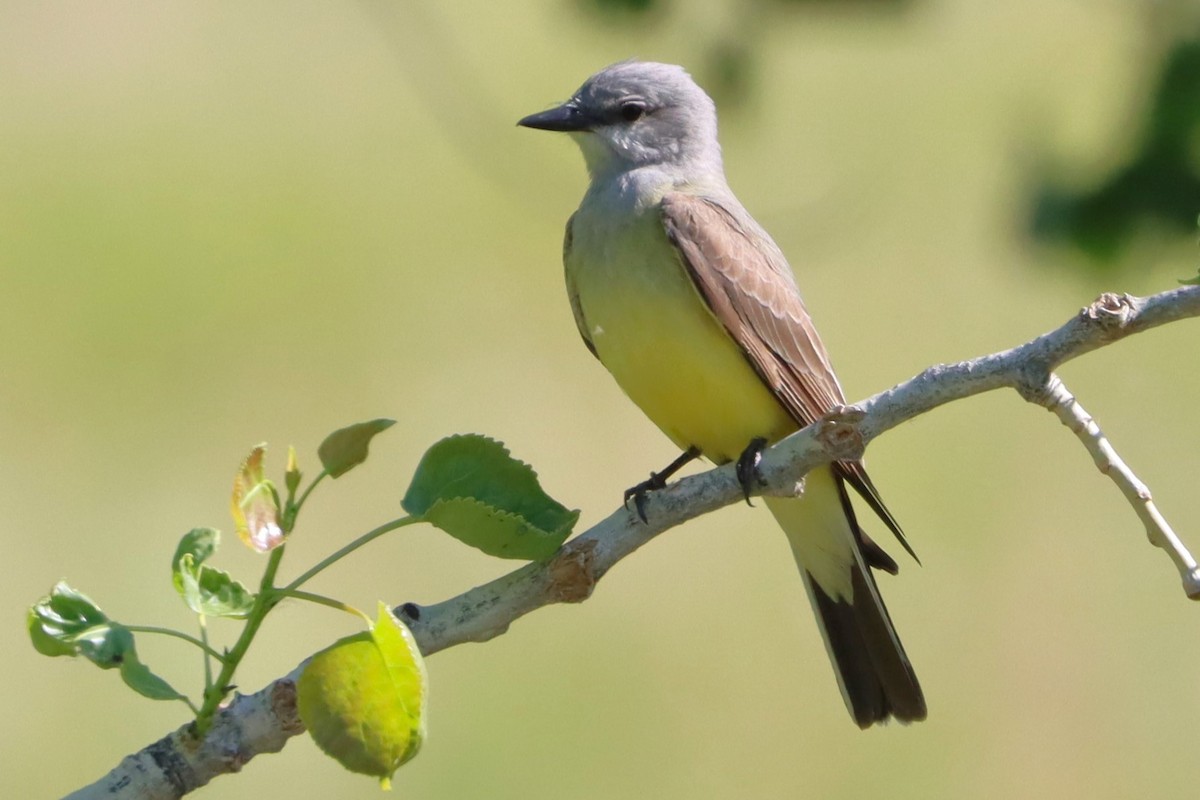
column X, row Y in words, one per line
column 264, row 601
column 178, row 635
column 321, row 599
column 347, row 550
column 308, row 490
column 203, row 620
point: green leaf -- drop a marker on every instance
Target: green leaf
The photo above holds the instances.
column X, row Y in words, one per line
column 107, row 645
column 470, row 487
column 137, row 676
column 255, row 505
column 212, row 592
column 46, row 643
column 68, row 623
column 200, row 543
column 205, row 589
column 495, row 532
column 363, row 699
column 345, row 449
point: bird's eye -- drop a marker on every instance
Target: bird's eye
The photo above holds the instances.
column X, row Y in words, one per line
column 632, row 110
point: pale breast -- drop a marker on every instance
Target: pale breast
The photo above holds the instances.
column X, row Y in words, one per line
column 652, row 331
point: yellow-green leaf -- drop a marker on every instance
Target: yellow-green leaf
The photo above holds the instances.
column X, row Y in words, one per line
column 363, row 698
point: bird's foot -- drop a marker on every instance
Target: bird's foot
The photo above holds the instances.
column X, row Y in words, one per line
column 747, row 467
column 638, row 493
column 656, row 481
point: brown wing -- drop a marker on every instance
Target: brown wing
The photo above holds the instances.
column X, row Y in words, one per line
column 747, row 284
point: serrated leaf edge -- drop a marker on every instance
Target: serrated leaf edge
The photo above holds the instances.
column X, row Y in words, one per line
column 541, row 534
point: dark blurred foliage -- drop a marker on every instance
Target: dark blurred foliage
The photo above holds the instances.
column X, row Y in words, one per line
column 728, row 69
column 1159, row 184
column 624, row 6
column 639, row 6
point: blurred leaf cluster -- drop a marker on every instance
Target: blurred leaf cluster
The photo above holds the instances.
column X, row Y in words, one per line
column 729, row 61
column 1159, row 184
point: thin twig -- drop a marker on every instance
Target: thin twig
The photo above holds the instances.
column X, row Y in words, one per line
column 1059, row 400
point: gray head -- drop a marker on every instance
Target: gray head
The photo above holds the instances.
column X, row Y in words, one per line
column 638, row 113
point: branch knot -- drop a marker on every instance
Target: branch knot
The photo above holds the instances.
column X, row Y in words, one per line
column 1112, row 311
column 570, row 574
column 838, row 432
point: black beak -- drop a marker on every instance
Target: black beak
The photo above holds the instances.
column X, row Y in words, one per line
column 566, row 117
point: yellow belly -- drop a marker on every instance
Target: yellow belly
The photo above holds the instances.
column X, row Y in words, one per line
column 653, row 332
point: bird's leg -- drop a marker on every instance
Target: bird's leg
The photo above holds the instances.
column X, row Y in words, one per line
column 747, row 467
column 658, row 480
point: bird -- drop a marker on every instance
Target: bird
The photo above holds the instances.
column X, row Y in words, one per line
column 695, row 312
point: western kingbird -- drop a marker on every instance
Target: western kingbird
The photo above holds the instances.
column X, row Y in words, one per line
column 693, row 309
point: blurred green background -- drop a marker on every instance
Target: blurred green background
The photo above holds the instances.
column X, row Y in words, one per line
column 225, row 223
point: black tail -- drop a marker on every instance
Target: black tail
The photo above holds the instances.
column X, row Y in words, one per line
column 875, row 675
column 835, row 559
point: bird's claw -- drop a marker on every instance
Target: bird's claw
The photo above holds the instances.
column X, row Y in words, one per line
column 657, row 480
column 638, row 493
column 747, row 467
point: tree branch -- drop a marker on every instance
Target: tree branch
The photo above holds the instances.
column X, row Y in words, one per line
column 263, row 721
column 1063, row 403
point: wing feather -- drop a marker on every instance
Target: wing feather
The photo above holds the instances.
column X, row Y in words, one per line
column 747, row 284
column 573, row 292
